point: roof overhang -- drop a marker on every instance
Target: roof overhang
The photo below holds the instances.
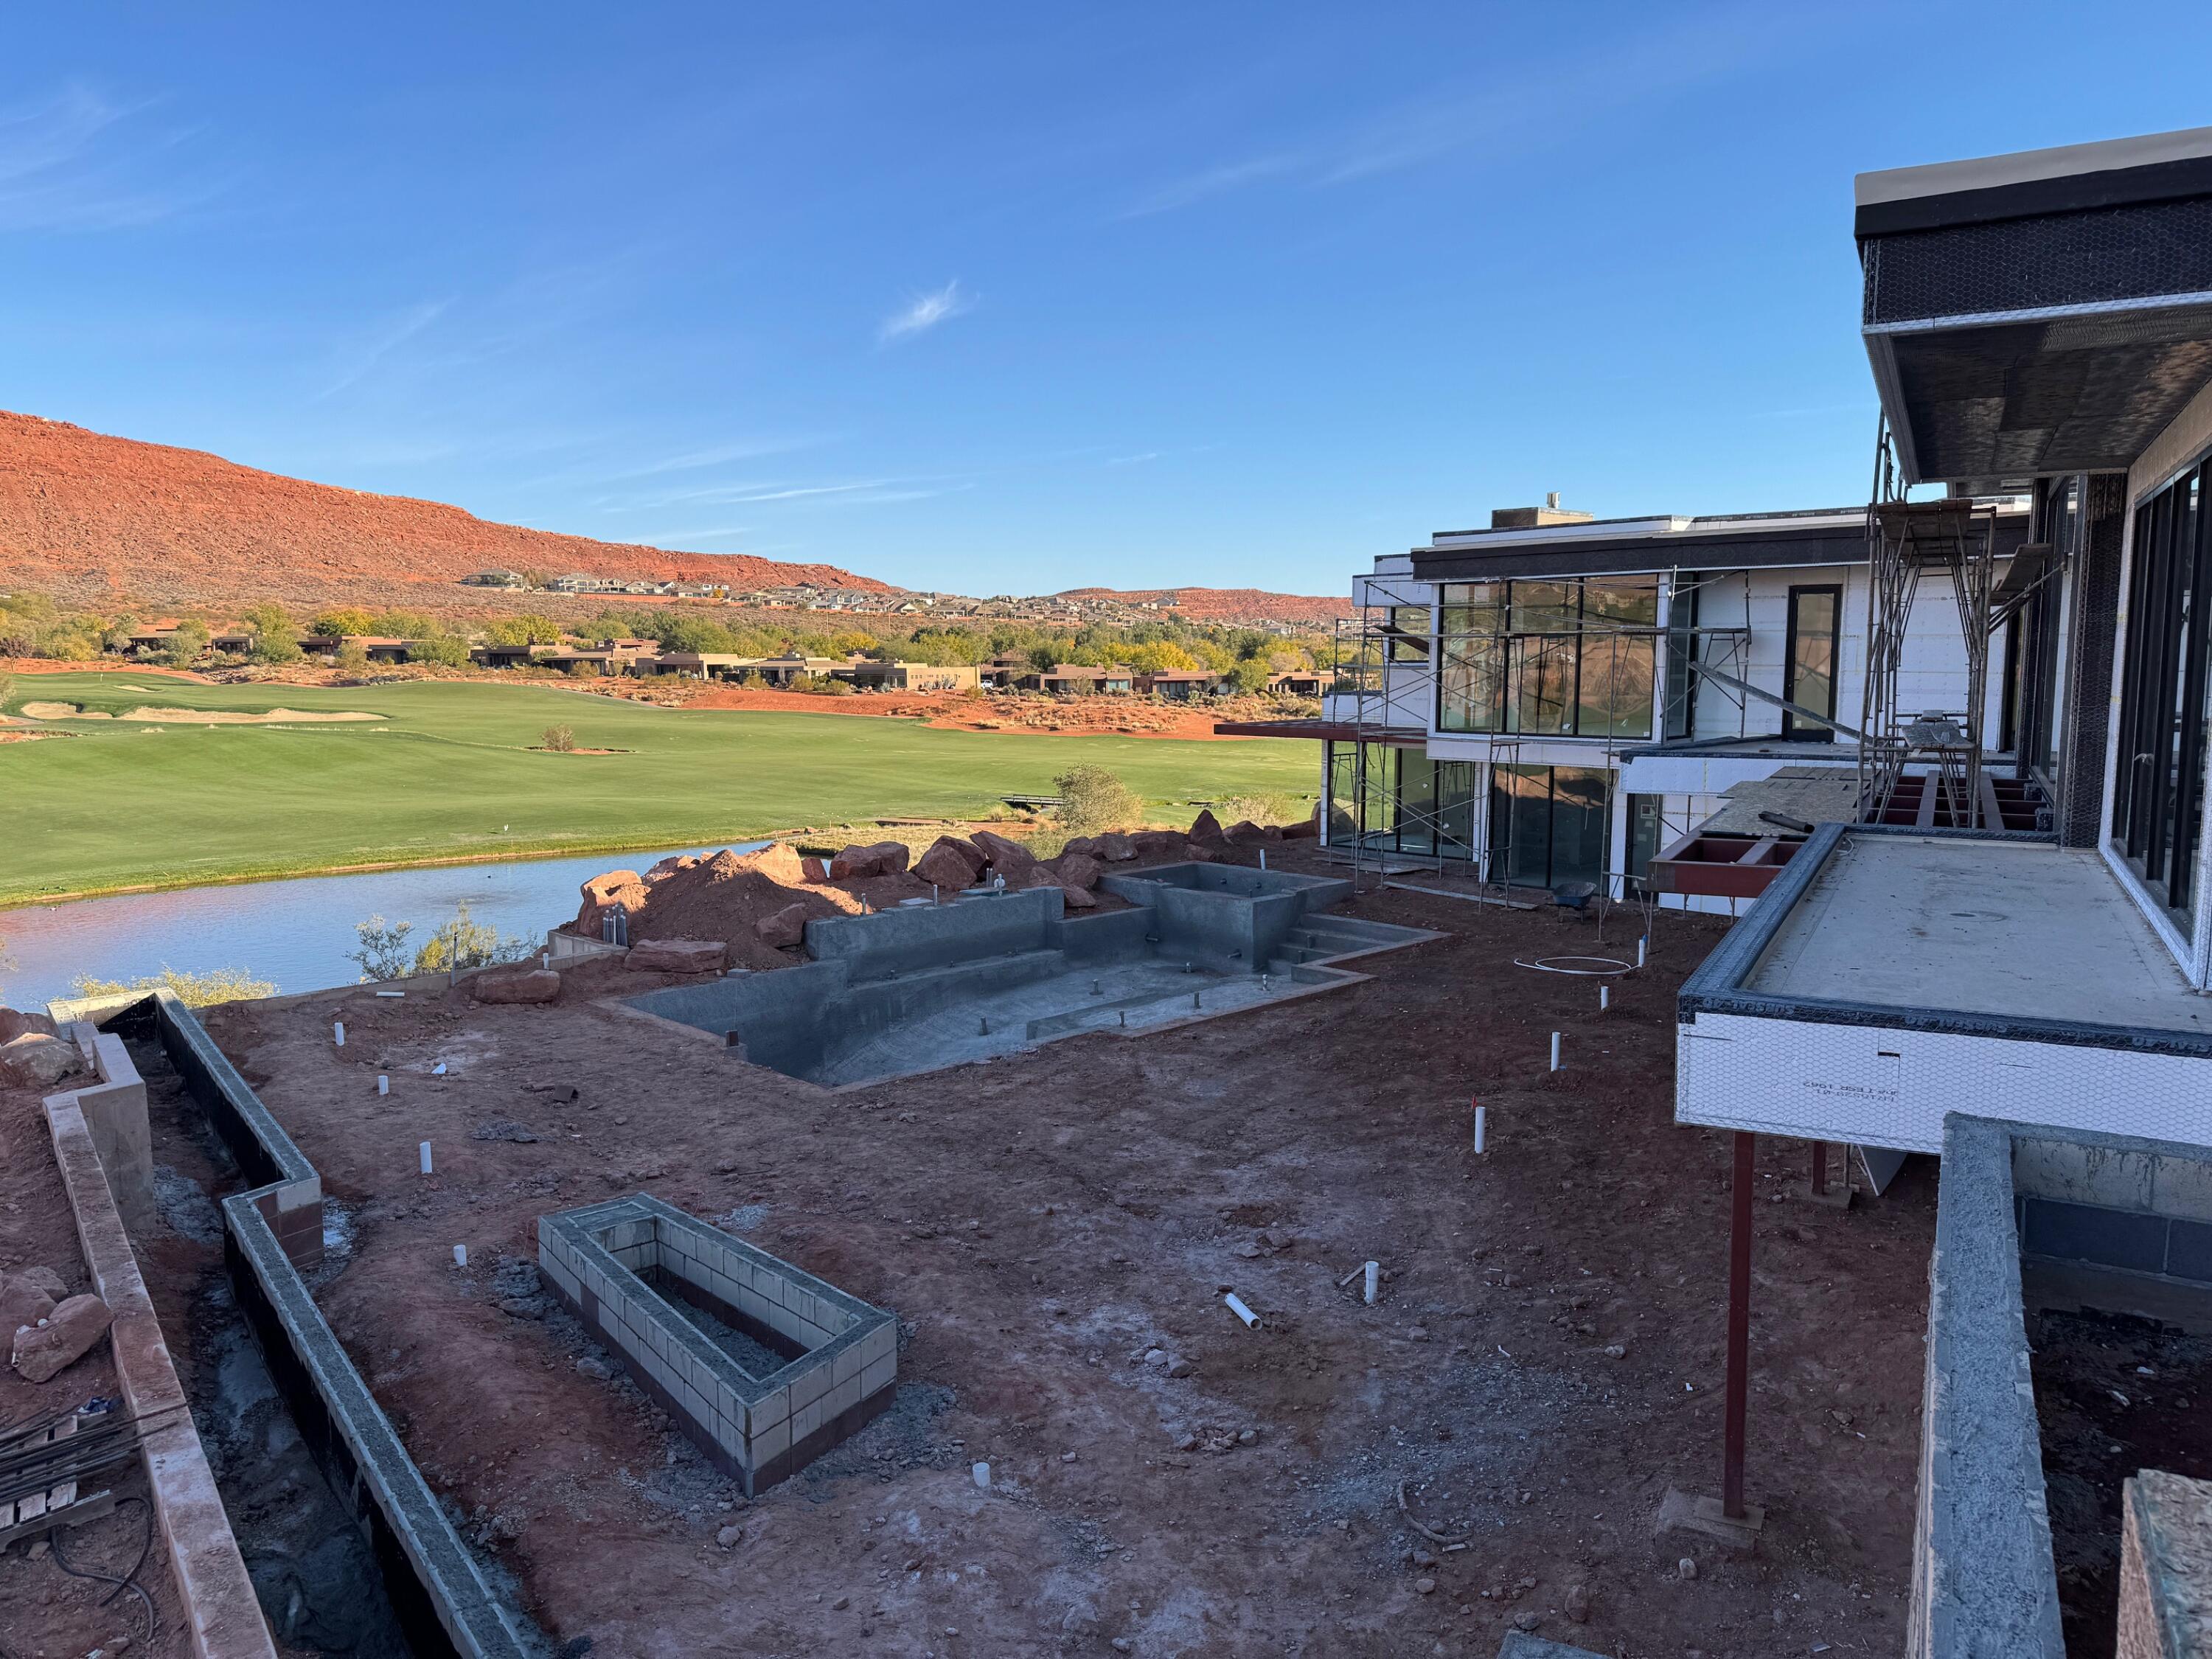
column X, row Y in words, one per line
column 1751, row 545
column 2038, row 313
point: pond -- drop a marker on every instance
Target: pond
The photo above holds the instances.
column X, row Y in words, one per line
column 296, row 933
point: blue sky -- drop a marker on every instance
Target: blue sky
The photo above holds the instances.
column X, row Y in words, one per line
column 1003, row 299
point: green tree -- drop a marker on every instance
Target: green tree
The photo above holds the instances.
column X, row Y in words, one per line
column 337, row 624
column 188, row 645
column 274, row 638
column 1250, row 674
column 351, row 657
column 449, row 650
column 528, row 629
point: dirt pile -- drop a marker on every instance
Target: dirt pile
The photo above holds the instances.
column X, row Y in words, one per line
column 86, row 516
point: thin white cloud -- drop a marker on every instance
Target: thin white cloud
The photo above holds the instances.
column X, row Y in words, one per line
column 76, row 162
column 1132, row 460
column 1688, row 51
column 925, row 313
column 363, row 357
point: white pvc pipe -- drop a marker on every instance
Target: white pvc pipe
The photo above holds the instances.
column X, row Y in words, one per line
column 1482, row 1128
column 981, row 1473
column 1642, row 945
column 1236, row 1306
column 1604, row 998
column 1374, row 1271
column 460, row 1255
column 338, row 1032
column 1555, row 1051
column 425, row 1151
column 383, row 1084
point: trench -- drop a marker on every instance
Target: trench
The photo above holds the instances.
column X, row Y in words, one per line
column 317, row 1578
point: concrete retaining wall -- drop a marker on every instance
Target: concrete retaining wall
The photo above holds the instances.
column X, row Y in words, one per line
column 222, row 1614
column 272, row 1231
column 1983, row 1577
column 607, row 1263
column 2165, row 1567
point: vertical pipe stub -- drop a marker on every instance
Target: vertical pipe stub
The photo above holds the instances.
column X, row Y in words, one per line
column 1374, row 1282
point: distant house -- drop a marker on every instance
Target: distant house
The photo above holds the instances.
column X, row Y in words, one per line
column 1069, row 680
column 1007, row 668
column 377, row 648
column 154, row 636
column 870, row 676
column 579, row 583
column 234, row 640
column 502, row 656
column 1180, row 685
column 493, row 579
column 1298, row 683
column 698, row 664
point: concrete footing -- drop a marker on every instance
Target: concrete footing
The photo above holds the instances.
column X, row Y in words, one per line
column 1692, row 1512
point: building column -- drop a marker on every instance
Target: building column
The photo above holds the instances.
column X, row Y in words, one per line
column 2079, row 810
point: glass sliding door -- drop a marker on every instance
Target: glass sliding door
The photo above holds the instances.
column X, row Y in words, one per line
column 1809, row 661
column 2158, row 791
column 1549, row 824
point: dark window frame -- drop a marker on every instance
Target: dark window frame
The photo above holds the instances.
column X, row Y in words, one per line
column 1793, row 729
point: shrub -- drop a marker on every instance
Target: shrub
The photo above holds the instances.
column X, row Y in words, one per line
column 561, row 739
column 1092, row 799
column 337, row 624
column 275, row 648
column 383, row 953
column 465, row 943
column 1259, row 809
column 195, row 990
column 351, row 657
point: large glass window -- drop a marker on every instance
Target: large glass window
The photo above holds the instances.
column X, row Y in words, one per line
column 2158, row 796
column 1414, row 804
column 1408, row 633
column 1549, row 659
column 1548, row 824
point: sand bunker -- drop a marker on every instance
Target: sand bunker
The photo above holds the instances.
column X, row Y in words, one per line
column 70, row 711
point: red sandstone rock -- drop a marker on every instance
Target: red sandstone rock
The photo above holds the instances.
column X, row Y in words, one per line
column 679, row 956
column 1006, row 857
column 1303, row 830
column 22, row 1302
column 859, row 863
column 950, row 864
column 1113, row 847
column 1159, row 844
column 534, row 985
column 618, row 890
column 779, row 862
column 1206, row 828
column 670, row 865
column 37, row 1061
column 1079, row 844
column 1077, row 870
column 22, row 1022
column 68, row 1334
column 784, row 928
column 1245, row 831
column 1078, row 899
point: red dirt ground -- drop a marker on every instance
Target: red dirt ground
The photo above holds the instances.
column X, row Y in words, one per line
column 1040, row 1222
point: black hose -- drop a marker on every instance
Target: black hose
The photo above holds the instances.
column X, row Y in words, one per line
column 129, row 1581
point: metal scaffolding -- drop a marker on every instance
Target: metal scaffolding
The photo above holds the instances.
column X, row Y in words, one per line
column 1957, row 538
column 1384, row 691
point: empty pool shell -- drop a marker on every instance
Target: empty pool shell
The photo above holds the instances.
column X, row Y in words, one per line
column 617, row 1265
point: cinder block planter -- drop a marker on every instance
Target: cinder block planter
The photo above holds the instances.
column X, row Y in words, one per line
column 816, row 1364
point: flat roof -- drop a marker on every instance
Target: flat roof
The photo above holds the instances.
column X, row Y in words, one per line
column 2015, row 929
column 2110, row 173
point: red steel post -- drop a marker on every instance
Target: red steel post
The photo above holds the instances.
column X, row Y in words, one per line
column 1739, row 1332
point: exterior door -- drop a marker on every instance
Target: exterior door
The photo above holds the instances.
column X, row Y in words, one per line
column 1808, row 675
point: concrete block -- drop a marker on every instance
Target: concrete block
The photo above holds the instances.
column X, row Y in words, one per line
column 880, row 1373
column 842, row 1397
column 2077, row 1173
column 771, row 1442
column 771, row 1409
column 805, row 1420
column 2182, row 1188
column 848, row 1362
column 809, row 1385
column 880, row 1343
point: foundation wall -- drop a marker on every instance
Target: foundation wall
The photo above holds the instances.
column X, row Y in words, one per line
column 272, row 1231
column 842, row 1353
column 221, row 1610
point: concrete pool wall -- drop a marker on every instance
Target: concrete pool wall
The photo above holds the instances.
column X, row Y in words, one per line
column 914, row 989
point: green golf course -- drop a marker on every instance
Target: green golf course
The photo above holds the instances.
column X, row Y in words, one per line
column 451, row 770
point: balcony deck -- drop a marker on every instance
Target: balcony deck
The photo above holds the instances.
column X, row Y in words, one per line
column 1887, row 978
